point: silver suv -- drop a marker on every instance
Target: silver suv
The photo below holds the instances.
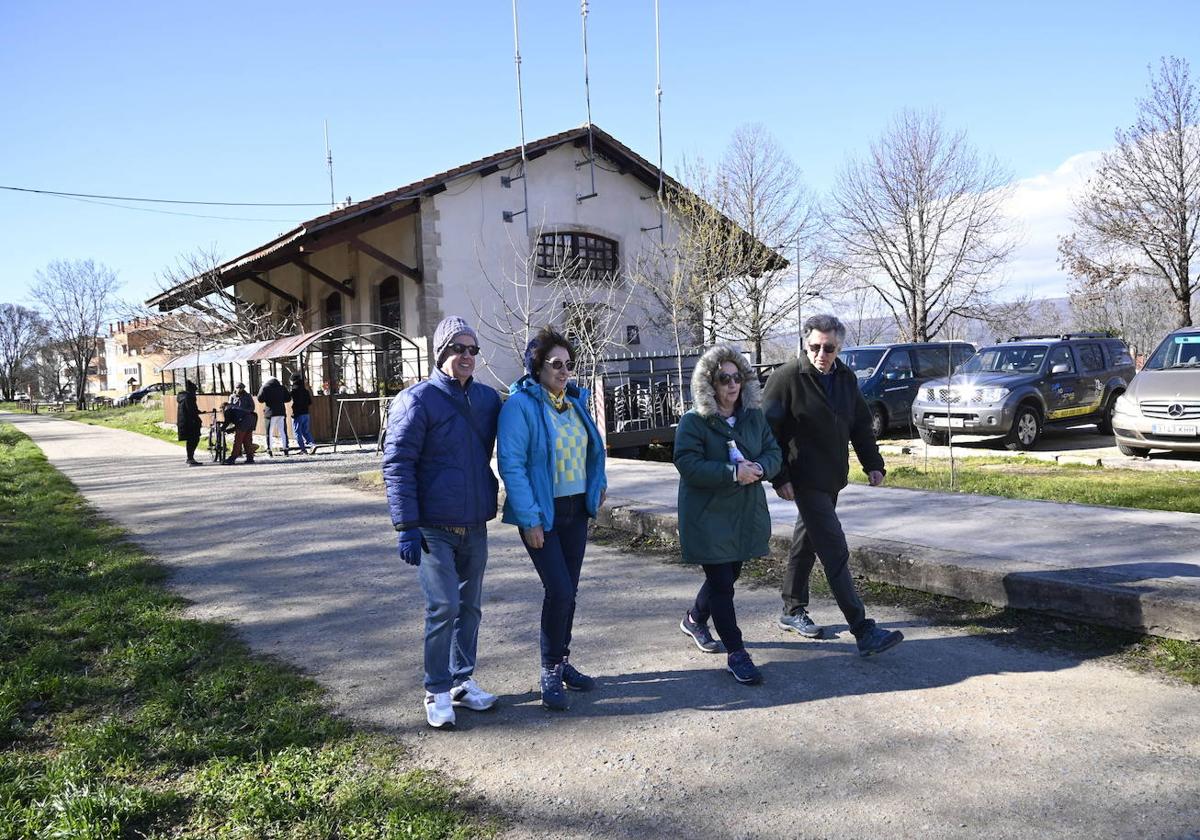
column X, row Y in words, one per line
column 1161, row 409
column 1018, row 387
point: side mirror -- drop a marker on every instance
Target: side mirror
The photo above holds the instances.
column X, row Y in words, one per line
column 1061, row 367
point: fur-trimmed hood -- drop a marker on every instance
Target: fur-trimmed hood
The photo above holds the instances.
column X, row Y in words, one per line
column 704, row 392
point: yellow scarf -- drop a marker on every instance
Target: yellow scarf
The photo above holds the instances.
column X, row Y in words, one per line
column 559, row 402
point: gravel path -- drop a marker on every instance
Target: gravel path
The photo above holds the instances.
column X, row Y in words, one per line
column 948, row 736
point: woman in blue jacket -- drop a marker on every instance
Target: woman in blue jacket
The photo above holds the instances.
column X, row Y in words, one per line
column 551, row 458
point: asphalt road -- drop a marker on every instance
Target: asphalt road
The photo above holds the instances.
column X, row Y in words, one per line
column 948, row 736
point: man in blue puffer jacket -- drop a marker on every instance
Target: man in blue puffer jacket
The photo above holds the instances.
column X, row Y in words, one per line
column 442, row 492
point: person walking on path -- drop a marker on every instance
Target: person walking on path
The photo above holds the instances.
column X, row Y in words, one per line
column 441, row 493
column 551, row 458
column 723, row 451
column 301, row 402
column 242, row 399
column 816, row 411
column 274, row 397
column 188, row 422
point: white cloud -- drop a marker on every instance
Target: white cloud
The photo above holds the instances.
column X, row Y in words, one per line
column 1041, row 208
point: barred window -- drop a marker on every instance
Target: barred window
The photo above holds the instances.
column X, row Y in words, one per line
column 574, row 255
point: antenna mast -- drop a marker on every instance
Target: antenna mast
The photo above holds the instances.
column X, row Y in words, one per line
column 662, row 233
column 587, row 95
column 504, row 180
column 329, row 163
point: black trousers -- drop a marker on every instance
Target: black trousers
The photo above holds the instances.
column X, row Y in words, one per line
column 715, row 600
column 818, row 533
column 191, row 444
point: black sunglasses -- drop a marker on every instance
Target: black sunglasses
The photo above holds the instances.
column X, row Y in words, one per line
column 559, row 364
column 725, row 378
column 817, row 348
column 459, row 349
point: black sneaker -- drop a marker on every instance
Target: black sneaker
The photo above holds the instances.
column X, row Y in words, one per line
column 802, row 624
column 573, row 679
column 553, row 696
column 743, row 668
column 877, row 640
column 699, row 634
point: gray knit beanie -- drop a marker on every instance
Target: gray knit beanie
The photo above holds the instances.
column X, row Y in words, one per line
column 449, row 327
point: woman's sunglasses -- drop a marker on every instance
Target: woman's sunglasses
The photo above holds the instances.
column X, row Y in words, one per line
column 725, row 378
column 459, row 349
column 559, row 364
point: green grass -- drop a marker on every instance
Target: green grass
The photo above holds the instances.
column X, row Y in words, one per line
column 120, row 717
column 1027, row 478
column 1165, row 657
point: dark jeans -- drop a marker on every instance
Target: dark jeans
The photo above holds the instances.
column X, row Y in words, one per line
column 191, row 444
column 715, row 599
column 818, row 533
column 558, row 563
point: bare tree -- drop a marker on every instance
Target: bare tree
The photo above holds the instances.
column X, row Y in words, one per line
column 1140, row 212
column 760, row 188
column 76, row 296
column 22, row 332
column 921, row 219
column 1137, row 310
column 213, row 316
column 867, row 320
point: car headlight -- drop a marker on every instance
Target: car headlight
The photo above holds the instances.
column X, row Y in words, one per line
column 992, row 395
column 1126, row 405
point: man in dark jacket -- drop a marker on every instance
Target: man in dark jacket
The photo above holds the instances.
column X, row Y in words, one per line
column 301, row 401
column 816, row 411
column 273, row 396
column 442, row 492
column 187, row 421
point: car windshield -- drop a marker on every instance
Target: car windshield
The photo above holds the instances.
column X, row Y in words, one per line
column 863, row 360
column 1176, row 351
column 1015, row 359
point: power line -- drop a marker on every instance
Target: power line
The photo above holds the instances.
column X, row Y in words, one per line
column 170, row 212
column 160, row 200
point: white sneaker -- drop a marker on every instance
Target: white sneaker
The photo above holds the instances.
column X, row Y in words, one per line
column 439, row 711
column 469, row 694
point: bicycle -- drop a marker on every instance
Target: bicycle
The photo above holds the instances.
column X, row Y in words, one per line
column 217, row 446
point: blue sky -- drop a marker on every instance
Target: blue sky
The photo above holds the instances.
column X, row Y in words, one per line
column 224, row 101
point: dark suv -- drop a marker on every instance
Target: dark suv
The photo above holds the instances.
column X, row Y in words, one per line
column 1015, row 388
column 890, row 374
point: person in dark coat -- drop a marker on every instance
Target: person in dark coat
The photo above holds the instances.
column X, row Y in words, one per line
column 816, row 411
column 187, row 421
column 301, row 402
column 241, row 422
column 441, row 494
column 724, row 448
column 273, row 397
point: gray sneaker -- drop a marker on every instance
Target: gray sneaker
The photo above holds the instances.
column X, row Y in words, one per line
column 802, row 624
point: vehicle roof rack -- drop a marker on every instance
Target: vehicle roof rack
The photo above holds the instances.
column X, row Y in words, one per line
column 1061, row 336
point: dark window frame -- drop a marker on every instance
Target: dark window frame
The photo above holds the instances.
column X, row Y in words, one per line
column 577, row 255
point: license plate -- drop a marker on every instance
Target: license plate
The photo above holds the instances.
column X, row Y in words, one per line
column 1173, row 429
column 946, row 422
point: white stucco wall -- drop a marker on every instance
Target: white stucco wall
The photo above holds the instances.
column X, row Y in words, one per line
column 478, row 252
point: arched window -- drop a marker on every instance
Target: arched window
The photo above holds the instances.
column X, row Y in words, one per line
column 577, row 256
column 391, row 311
column 333, row 310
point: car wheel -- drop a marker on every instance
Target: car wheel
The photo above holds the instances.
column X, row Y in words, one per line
column 933, row 437
column 1133, row 451
column 1104, row 425
column 1026, row 429
column 879, row 422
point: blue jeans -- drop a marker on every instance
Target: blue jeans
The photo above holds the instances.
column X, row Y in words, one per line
column 451, row 575
column 558, row 563
column 303, row 435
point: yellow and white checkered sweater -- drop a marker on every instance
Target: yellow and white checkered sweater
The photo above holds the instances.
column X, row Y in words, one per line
column 570, row 449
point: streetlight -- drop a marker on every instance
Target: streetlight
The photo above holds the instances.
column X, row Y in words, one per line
column 801, row 295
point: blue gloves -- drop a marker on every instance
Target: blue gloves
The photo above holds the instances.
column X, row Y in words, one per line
column 410, row 542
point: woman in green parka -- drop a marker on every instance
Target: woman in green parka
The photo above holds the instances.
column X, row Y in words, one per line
column 724, row 449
